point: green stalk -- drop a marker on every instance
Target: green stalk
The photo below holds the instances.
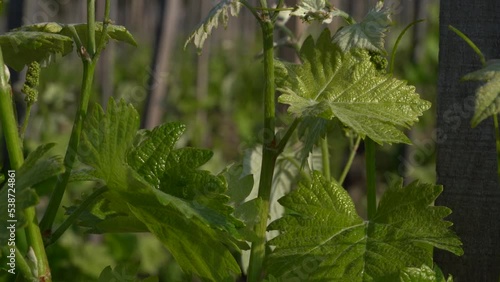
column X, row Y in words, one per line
column 71, row 153
column 71, row 219
column 91, row 49
column 398, row 40
column 471, row 44
column 8, row 120
column 325, row 158
column 14, row 147
column 36, row 242
column 104, row 34
column 26, row 121
column 348, row 165
column 270, row 152
column 371, row 181
column 23, row 267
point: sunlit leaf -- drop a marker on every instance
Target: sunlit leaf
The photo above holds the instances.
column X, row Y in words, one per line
column 37, row 168
column 423, row 274
column 315, row 10
column 20, row 48
column 331, row 83
column 323, row 239
column 218, row 14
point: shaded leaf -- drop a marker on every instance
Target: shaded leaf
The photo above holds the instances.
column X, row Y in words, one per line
column 488, row 95
column 122, row 272
column 116, row 32
column 37, row 168
column 219, row 13
column 332, row 83
column 323, row 239
column 310, row 130
column 106, row 137
column 20, row 48
column 489, row 72
column 368, row 34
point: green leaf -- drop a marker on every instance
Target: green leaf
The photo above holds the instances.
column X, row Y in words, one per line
column 368, row 34
column 323, row 239
column 424, row 274
column 49, row 27
column 332, row 83
column 122, row 272
column 490, row 70
column 318, row 10
column 107, row 215
column 37, row 168
column 488, row 95
column 116, row 32
column 105, row 140
column 239, row 184
column 219, row 13
column 161, row 187
column 20, row 48
column 310, row 130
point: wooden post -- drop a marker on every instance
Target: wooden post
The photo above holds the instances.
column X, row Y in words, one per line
column 466, row 157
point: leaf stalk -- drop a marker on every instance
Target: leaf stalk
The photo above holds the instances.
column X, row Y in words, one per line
column 14, row 148
column 371, row 178
column 270, row 152
column 71, row 152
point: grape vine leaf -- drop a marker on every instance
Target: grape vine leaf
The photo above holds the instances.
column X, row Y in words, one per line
column 488, row 95
column 160, row 186
column 423, row 274
column 368, row 34
column 42, row 41
column 20, row 48
column 219, row 13
column 323, row 239
column 310, row 130
column 116, row 32
column 315, row 10
column 37, row 168
column 332, row 83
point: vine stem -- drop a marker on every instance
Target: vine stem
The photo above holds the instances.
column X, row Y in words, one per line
column 14, row 148
column 26, row 120
column 89, row 64
column 69, row 221
column 371, row 184
column 398, row 40
column 470, row 43
column 23, row 266
column 348, row 165
column 270, row 150
column 325, row 158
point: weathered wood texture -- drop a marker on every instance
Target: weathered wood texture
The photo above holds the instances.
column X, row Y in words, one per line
column 466, row 160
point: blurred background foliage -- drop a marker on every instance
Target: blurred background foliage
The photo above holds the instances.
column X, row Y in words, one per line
column 216, row 94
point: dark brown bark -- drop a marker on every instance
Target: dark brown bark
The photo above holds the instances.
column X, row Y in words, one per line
column 466, row 158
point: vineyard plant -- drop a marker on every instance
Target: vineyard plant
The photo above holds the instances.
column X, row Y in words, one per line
column 216, row 230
